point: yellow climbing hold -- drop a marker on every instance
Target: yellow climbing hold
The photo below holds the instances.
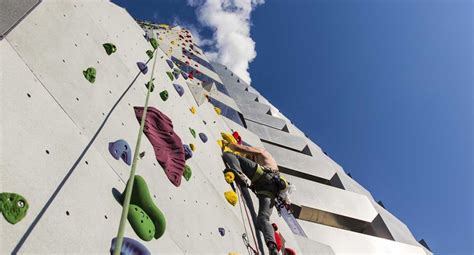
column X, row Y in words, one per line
column 193, row 110
column 233, row 253
column 164, row 26
column 229, row 177
column 193, row 147
column 231, row 197
column 229, row 138
column 172, row 42
column 218, row 110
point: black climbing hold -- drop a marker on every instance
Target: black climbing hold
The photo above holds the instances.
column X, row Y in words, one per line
column 222, row 231
column 142, row 154
column 109, row 48
column 142, row 66
column 164, row 95
column 152, row 86
column 121, row 149
column 149, row 53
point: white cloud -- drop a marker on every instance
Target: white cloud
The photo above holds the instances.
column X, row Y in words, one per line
column 230, row 22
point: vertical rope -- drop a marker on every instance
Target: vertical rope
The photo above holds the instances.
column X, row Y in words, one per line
column 128, row 190
column 250, row 223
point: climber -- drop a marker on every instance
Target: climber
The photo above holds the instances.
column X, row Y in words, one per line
column 260, row 168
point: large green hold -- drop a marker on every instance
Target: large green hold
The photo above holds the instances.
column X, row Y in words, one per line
column 90, row 74
column 154, row 43
column 13, row 206
column 141, row 198
column 141, row 223
column 170, row 75
column 109, row 48
column 149, row 53
column 187, row 172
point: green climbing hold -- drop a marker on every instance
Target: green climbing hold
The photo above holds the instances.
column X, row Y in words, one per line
column 109, row 48
column 164, row 95
column 193, row 132
column 187, row 172
column 141, row 198
column 90, row 74
column 141, row 223
column 13, row 206
column 149, row 53
column 154, row 43
column 152, row 86
column 170, row 75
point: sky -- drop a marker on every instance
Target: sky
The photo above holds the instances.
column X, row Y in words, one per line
column 386, row 88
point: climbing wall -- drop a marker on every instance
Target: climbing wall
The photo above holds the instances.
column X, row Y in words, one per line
column 57, row 126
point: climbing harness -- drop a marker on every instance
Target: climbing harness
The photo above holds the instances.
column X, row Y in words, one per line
column 129, row 187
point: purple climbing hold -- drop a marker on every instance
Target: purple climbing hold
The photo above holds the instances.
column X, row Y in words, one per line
column 185, row 75
column 170, row 63
column 142, row 66
column 188, row 153
column 121, row 149
column 178, row 89
column 203, row 137
column 130, row 247
column 222, row 231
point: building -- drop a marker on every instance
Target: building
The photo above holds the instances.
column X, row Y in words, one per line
column 57, row 127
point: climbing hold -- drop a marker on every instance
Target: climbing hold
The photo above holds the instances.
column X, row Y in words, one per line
column 185, row 76
column 154, row 43
column 231, row 197
column 237, row 137
column 218, row 110
column 167, row 145
column 164, row 95
column 149, row 53
column 187, row 172
column 193, row 132
column 141, row 223
column 188, row 153
column 178, row 89
column 121, row 149
column 228, row 138
column 13, row 206
column 289, row 251
column 176, row 73
column 193, row 109
column 192, row 146
column 142, row 199
column 142, row 66
column 222, row 231
column 152, row 86
column 229, row 177
column 130, row 247
column 109, row 48
column 203, row 137
column 142, row 154
column 170, row 75
column 170, row 63
column 278, row 238
column 90, row 74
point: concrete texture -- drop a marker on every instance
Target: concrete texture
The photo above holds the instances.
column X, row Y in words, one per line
column 12, row 12
column 56, row 127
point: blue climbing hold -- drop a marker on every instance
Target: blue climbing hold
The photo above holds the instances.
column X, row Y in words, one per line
column 222, row 231
column 185, row 75
column 178, row 89
column 121, row 149
column 203, row 137
column 142, row 66
column 188, row 153
column 176, row 74
column 170, row 63
column 130, row 247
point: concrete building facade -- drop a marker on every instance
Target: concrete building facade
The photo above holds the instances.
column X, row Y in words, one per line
column 57, row 126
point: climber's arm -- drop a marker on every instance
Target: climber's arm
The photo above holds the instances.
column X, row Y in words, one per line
column 245, row 149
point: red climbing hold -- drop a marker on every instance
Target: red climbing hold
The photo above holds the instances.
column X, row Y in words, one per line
column 278, row 238
column 237, row 137
column 166, row 144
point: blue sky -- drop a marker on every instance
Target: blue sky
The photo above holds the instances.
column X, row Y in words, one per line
column 386, row 88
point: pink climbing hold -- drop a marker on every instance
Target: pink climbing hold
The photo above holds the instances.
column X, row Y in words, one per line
column 166, row 143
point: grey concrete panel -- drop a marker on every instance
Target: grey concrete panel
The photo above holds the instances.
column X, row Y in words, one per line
column 277, row 136
column 266, row 120
column 330, row 199
column 254, row 107
column 309, row 246
column 228, row 77
column 300, row 162
column 355, row 243
column 12, row 12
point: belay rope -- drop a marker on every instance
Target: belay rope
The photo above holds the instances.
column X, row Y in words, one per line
column 128, row 189
column 250, row 249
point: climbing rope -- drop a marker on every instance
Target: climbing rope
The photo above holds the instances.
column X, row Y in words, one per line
column 245, row 236
column 128, row 190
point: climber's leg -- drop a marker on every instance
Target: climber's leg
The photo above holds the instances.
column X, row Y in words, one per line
column 240, row 164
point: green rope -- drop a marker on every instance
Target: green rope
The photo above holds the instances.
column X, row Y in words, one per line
column 128, row 190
